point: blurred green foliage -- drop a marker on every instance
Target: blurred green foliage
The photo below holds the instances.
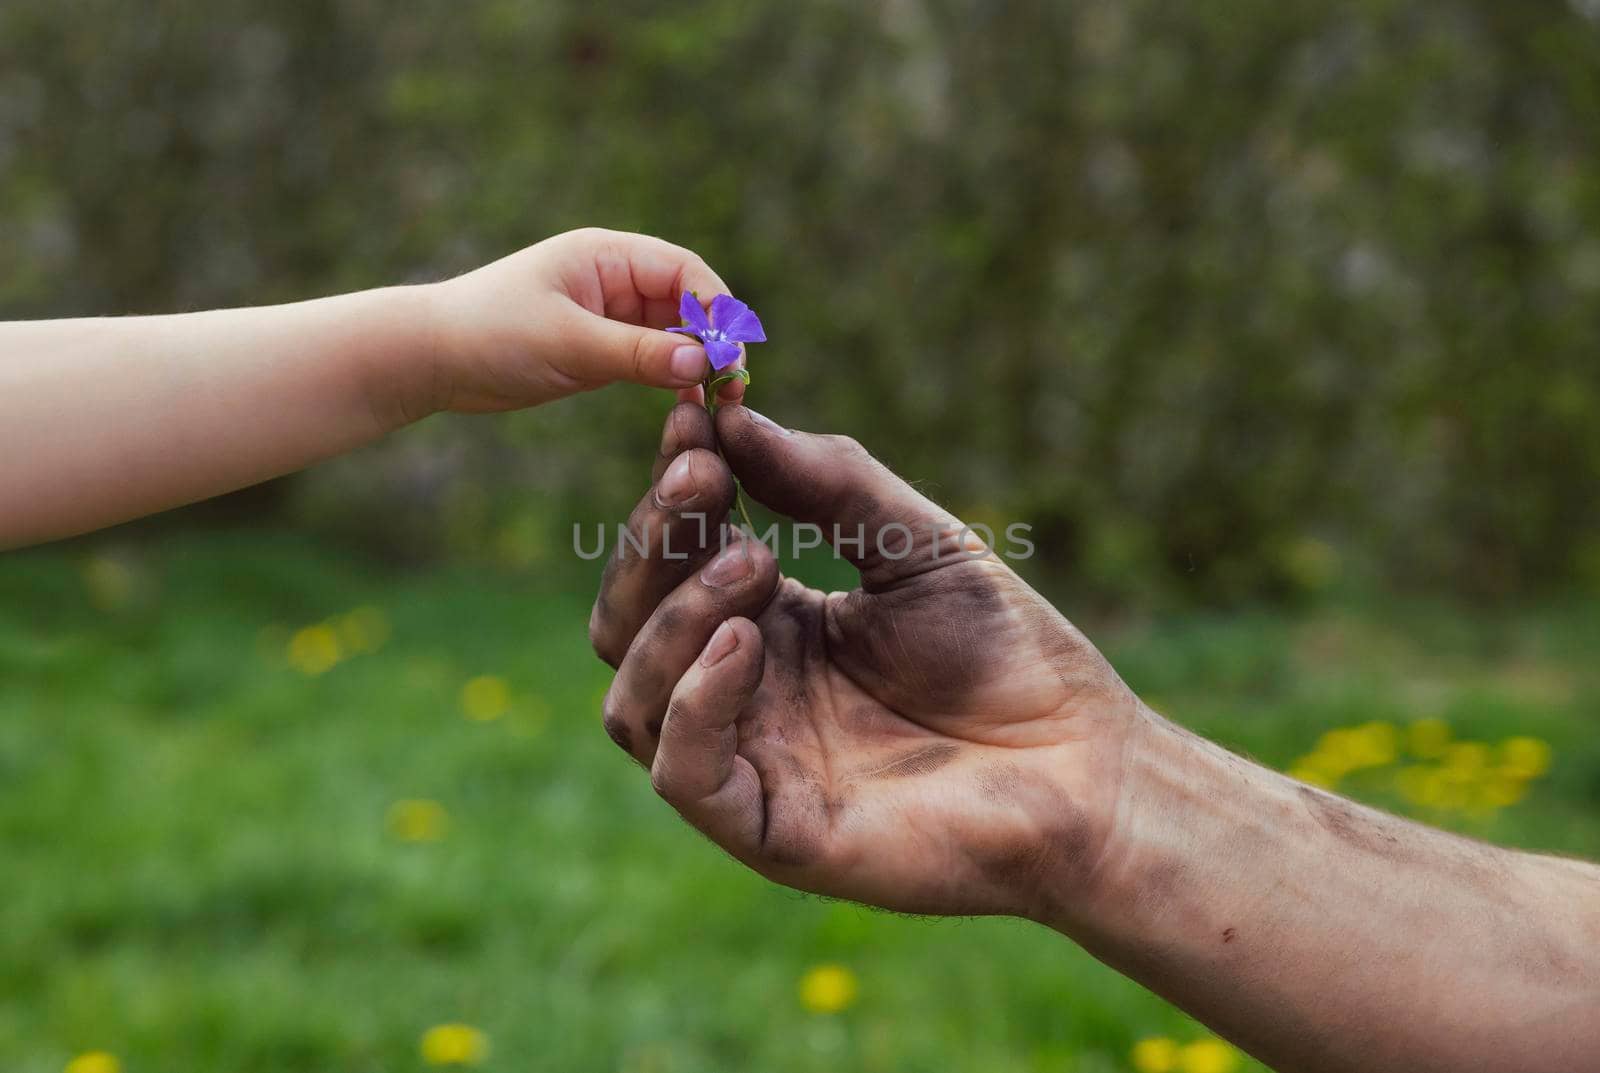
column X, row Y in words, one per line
column 1222, row 298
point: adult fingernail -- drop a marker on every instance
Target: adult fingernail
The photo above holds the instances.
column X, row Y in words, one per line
column 669, row 436
column 677, row 484
column 767, row 422
column 688, row 364
column 724, row 641
column 730, row 566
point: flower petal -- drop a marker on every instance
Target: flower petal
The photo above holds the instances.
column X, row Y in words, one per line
column 721, row 354
column 725, row 308
column 686, row 331
column 745, row 328
column 736, row 321
column 693, row 314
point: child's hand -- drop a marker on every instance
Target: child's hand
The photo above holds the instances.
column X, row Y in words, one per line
column 171, row 409
column 572, row 313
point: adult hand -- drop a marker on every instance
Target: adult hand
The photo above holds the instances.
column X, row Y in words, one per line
column 938, row 740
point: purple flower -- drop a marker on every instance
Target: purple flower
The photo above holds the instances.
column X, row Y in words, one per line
column 731, row 323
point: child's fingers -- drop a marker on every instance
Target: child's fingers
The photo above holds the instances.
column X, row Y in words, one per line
column 661, row 313
column 660, row 272
column 599, row 351
column 640, row 280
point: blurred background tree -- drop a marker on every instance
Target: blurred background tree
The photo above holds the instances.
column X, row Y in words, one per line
column 1218, row 297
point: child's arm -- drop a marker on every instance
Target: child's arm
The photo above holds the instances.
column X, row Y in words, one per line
column 108, row 419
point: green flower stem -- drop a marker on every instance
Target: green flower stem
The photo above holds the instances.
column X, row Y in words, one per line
column 712, row 384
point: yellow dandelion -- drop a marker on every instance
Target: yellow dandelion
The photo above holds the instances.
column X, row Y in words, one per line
column 828, row 989
column 1337, row 746
column 94, row 1062
column 1207, row 1056
column 485, row 697
column 314, row 650
column 1307, row 770
column 1157, row 1054
column 365, row 629
column 454, row 1045
column 1524, row 758
column 1375, row 744
column 1466, row 759
column 1498, row 791
column 1415, row 783
column 1427, row 738
column 418, row 820
column 1451, row 788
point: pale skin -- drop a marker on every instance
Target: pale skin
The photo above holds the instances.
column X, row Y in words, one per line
column 941, row 740
column 109, row 419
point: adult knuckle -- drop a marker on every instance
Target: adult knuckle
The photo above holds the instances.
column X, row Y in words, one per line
column 847, row 447
column 615, row 723
column 663, row 782
column 638, row 536
column 603, row 639
column 680, row 712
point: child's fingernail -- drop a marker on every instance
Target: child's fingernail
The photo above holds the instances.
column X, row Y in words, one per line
column 677, row 484
column 688, row 363
column 722, row 643
column 730, row 566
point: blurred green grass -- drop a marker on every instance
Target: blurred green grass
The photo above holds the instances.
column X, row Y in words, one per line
column 199, row 872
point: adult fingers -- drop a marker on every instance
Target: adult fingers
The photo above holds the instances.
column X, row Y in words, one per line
column 669, row 535
column 697, row 769
column 870, row 516
column 687, row 426
column 738, row 581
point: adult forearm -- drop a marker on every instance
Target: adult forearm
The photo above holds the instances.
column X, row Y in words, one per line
column 1321, row 935
column 104, row 420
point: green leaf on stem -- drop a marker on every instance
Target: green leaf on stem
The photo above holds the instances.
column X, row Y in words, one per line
column 742, row 375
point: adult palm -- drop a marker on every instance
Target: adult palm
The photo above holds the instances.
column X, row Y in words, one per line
column 932, row 741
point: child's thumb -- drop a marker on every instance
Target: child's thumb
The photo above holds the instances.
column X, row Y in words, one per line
column 608, row 350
